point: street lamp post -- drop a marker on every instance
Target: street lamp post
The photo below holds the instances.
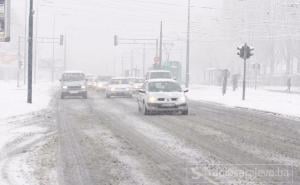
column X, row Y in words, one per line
column 187, row 80
column 30, row 47
column 160, row 44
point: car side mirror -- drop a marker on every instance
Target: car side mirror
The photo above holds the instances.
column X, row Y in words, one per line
column 185, row 90
column 142, row 91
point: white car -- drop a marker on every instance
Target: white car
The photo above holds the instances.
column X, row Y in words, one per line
column 136, row 83
column 158, row 74
column 91, row 80
column 118, row 87
column 73, row 83
column 162, row 95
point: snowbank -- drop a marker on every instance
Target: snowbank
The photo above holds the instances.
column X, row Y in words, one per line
column 13, row 99
column 260, row 99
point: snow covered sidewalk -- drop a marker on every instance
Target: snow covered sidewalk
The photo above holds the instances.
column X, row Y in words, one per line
column 260, row 99
column 27, row 139
column 13, row 99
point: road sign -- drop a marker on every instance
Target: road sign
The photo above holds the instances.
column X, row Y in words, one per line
column 4, row 20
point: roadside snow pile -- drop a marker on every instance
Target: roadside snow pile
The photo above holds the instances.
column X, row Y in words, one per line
column 13, row 99
column 260, row 99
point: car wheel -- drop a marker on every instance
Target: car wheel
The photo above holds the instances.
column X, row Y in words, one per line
column 107, row 96
column 62, row 96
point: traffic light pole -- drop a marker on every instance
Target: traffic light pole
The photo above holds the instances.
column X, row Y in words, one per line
column 244, row 80
column 30, row 47
column 245, row 65
column 245, row 53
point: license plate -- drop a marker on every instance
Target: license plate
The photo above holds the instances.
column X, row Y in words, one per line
column 168, row 105
column 73, row 92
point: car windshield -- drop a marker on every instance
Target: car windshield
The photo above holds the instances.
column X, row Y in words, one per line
column 119, row 81
column 164, row 87
column 73, row 77
column 156, row 75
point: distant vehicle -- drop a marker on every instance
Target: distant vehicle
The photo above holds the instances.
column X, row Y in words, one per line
column 102, row 82
column 162, row 95
column 158, row 74
column 119, row 86
column 73, row 84
column 136, row 83
column 91, row 80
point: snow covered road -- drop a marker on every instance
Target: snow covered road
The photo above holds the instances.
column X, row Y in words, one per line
column 106, row 141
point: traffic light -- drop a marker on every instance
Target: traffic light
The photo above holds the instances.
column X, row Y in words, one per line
column 61, row 40
column 245, row 51
column 241, row 51
column 249, row 52
column 116, row 40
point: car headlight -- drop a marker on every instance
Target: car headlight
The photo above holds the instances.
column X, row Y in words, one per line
column 65, row 87
column 112, row 89
column 182, row 99
column 83, row 87
column 151, row 99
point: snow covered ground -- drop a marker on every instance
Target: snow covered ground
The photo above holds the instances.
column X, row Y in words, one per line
column 13, row 99
column 23, row 129
column 268, row 99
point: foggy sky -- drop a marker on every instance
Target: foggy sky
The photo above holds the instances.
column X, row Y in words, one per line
column 90, row 25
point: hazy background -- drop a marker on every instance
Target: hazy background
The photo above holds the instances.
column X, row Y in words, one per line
column 89, row 26
column 217, row 28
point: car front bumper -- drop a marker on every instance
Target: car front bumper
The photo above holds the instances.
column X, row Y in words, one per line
column 74, row 92
column 163, row 107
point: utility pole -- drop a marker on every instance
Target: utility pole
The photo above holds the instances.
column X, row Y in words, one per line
column 122, row 72
column 53, row 52
column 36, row 42
column 144, row 59
column 30, row 47
column 156, row 48
column 25, row 41
column 65, row 53
column 187, row 80
column 131, row 63
column 19, row 61
column 160, row 44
